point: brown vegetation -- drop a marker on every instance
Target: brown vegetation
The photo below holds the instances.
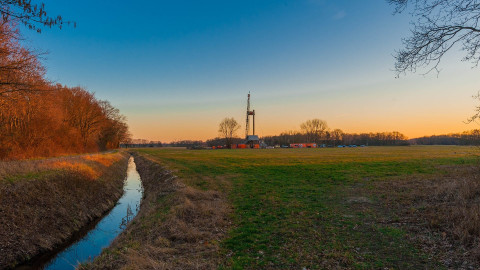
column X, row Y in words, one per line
column 38, row 118
column 440, row 212
column 177, row 227
column 44, row 202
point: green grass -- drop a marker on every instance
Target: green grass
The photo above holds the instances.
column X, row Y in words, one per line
column 292, row 208
column 31, row 176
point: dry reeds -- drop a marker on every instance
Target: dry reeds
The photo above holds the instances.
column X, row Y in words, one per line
column 441, row 211
column 458, row 205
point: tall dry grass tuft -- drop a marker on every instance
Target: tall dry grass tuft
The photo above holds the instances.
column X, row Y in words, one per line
column 177, row 227
column 459, row 205
column 44, row 202
column 105, row 160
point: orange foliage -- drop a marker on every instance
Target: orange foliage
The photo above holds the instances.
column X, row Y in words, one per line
column 39, row 119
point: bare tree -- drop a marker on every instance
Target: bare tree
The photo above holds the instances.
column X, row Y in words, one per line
column 83, row 113
column 314, row 129
column 227, row 128
column 114, row 129
column 20, row 70
column 337, row 136
column 476, row 115
column 439, row 25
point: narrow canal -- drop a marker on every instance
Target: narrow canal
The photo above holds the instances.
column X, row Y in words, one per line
column 102, row 234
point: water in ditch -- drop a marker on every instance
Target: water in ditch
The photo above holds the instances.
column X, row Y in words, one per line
column 102, row 234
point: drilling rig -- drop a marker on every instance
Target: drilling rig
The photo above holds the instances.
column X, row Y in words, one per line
column 247, row 127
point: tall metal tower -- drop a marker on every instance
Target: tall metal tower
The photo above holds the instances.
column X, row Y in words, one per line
column 247, row 128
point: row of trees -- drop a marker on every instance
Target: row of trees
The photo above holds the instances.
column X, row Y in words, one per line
column 60, row 120
column 311, row 131
column 317, row 131
column 337, row 137
column 471, row 137
column 38, row 118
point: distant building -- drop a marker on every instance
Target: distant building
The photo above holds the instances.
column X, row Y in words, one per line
column 252, row 141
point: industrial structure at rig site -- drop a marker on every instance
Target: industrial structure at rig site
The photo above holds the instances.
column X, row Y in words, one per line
column 251, row 141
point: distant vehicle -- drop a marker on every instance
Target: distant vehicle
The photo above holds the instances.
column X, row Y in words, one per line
column 362, row 145
column 285, row 146
column 340, row 146
column 303, row 145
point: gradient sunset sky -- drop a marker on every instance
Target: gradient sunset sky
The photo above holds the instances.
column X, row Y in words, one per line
column 177, row 68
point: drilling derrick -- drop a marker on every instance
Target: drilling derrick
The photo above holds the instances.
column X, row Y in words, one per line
column 247, row 127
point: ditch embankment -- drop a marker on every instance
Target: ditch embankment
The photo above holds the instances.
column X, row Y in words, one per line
column 44, row 203
column 177, row 227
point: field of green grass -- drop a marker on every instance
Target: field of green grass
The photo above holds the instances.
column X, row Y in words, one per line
column 312, row 208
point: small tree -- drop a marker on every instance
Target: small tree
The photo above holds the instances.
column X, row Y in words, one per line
column 314, row 129
column 337, row 135
column 227, row 128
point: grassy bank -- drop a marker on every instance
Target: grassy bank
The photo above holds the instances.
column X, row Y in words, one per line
column 177, row 227
column 44, row 202
column 335, row 208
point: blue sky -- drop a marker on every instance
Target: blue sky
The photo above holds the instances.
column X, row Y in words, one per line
column 177, row 68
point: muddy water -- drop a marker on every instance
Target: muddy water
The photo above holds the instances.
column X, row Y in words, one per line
column 102, row 234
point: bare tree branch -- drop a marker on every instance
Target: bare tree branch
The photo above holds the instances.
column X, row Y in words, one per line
column 33, row 16
column 439, row 26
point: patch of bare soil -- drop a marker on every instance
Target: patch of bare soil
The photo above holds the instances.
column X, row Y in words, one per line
column 39, row 213
column 177, row 227
column 441, row 213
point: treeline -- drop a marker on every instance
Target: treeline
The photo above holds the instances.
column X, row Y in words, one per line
column 185, row 143
column 317, row 131
column 471, row 137
column 336, row 138
column 38, row 118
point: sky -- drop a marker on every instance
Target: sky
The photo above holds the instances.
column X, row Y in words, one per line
column 175, row 69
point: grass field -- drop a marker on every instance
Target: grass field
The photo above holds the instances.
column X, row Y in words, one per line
column 318, row 208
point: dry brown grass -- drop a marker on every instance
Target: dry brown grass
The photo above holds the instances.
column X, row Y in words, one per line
column 90, row 165
column 177, row 227
column 105, row 160
column 441, row 212
column 43, row 202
